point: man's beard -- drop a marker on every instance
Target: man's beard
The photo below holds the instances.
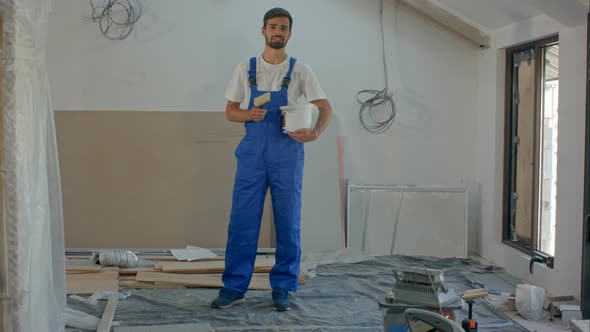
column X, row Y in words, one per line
column 276, row 45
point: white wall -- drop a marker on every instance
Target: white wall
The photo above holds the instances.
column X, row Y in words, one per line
column 182, row 53
column 565, row 277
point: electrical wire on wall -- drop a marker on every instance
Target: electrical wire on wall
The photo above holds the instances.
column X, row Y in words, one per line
column 116, row 18
column 371, row 121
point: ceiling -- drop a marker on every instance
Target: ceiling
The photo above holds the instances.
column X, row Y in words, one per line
column 494, row 14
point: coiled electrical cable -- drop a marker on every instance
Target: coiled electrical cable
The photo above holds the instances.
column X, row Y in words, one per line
column 116, row 18
column 367, row 112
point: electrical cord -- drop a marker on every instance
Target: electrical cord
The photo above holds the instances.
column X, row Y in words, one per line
column 122, row 21
column 433, row 288
column 367, row 115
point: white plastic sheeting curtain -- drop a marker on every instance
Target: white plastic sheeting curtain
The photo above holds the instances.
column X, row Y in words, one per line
column 34, row 212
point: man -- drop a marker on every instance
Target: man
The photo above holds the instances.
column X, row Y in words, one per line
column 268, row 158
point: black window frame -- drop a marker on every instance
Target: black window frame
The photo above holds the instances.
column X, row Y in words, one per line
column 509, row 179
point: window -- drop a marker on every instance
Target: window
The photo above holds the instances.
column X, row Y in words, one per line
column 530, row 152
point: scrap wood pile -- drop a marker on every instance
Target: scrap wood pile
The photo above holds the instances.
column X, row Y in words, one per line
column 85, row 277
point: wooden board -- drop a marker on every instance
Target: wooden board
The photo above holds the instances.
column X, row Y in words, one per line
column 109, row 313
column 263, row 264
column 147, row 285
column 110, row 275
column 89, row 287
column 135, row 179
column 526, row 148
column 84, row 266
column 90, row 283
column 134, row 270
column 198, row 280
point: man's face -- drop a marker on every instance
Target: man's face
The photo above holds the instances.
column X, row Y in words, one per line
column 276, row 33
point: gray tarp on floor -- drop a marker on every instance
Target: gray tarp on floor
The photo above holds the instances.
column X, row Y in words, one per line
column 341, row 297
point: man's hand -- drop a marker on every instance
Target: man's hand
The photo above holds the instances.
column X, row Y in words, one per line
column 257, row 114
column 304, row 135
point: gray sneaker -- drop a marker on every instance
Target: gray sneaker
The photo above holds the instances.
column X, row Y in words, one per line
column 227, row 298
column 280, row 300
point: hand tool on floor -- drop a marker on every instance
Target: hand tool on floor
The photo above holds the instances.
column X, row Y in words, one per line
column 418, row 287
column 422, row 286
column 438, row 322
column 469, row 324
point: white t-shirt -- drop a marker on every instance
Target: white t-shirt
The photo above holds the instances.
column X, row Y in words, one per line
column 269, row 78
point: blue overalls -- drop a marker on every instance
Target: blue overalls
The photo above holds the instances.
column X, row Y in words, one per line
column 266, row 158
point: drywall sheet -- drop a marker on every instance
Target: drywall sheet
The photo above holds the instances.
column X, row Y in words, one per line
column 148, row 179
column 429, row 223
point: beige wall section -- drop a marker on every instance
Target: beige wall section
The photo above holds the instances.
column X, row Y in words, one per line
column 148, row 179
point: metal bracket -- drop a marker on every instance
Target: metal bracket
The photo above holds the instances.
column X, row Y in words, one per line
column 532, row 261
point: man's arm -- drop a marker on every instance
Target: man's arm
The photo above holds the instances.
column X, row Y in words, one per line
column 234, row 113
column 307, row 135
column 325, row 115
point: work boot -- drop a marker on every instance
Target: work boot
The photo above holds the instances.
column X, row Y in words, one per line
column 280, row 300
column 227, row 298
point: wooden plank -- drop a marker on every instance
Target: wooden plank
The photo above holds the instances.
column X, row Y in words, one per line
column 263, row 264
column 89, row 287
column 198, row 280
column 74, row 269
column 75, row 265
column 133, row 270
column 132, row 284
column 111, row 275
column 90, row 283
column 109, row 268
column 259, row 281
column 173, row 259
column 200, row 327
column 127, row 278
column 109, row 313
column 157, row 258
column 525, row 151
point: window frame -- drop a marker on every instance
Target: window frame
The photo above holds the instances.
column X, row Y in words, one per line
column 509, row 178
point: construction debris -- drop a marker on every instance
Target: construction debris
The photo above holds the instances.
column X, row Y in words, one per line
column 85, row 277
column 109, row 313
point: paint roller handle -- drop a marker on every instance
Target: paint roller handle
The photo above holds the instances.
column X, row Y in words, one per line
column 257, row 114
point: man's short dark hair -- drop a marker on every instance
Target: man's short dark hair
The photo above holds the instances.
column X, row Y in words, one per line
column 277, row 12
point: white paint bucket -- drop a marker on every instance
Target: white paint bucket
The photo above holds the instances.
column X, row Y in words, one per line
column 295, row 117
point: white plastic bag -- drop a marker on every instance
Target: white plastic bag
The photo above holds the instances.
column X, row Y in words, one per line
column 81, row 320
column 529, row 301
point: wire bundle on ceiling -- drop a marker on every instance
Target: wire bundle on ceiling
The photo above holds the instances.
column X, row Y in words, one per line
column 374, row 123
column 116, row 18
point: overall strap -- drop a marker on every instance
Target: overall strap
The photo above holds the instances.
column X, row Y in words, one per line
column 287, row 79
column 252, row 72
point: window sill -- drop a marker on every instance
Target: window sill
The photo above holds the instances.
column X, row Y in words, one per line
column 535, row 256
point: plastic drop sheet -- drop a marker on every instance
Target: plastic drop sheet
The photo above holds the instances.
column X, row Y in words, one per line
column 34, row 212
column 340, row 297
